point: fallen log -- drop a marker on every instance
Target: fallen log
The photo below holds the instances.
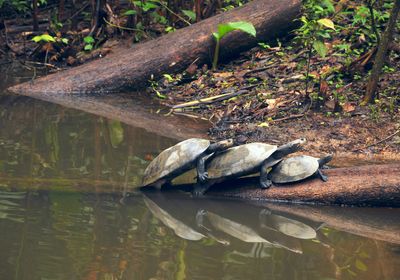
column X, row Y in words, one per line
column 135, row 112
column 370, row 185
column 174, row 52
column 381, row 224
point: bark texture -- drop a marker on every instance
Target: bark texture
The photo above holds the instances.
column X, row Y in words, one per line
column 371, row 185
column 132, row 68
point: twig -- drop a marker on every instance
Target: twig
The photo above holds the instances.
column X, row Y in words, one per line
column 43, row 64
column 210, row 100
column 378, row 142
column 76, row 13
column 175, row 14
column 260, row 69
column 123, row 27
column 189, row 115
column 289, row 117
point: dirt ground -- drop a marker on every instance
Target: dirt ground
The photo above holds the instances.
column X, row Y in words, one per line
column 274, row 107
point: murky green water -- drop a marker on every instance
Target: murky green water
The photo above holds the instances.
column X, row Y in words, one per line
column 67, row 212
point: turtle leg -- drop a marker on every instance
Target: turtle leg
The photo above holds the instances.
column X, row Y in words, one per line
column 322, row 176
column 202, row 175
column 160, row 183
column 200, row 189
column 265, row 181
column 200, row 218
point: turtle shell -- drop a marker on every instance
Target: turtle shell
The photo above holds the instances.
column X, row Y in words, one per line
column 181, row 156
column 182, row 230
column 292, row 227
column 294, row 169
column 240, row 160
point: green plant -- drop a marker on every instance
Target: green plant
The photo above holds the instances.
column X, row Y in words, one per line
column 316, row 27
column 226, row 28
column 21, row 6
column 89, row 43
column 48, row 40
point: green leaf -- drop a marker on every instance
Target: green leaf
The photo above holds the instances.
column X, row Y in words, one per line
column 37, row 39
column 327, row 23
column 88, row 47
column 88, row 40
column 160, row 95
column 361, row 266
column 216, row 35
column 320, row 48
column 169, row 77
column 43, row 37
column 190, row 14
column 148, row 6
column 64, row 40
column 244, row 26
column 329, row 6
column 129, row 13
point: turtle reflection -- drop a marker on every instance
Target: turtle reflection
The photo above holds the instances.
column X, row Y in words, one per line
column 180, row 228
column 228, row 222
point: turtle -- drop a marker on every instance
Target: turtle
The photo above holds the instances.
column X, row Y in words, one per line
column 181, row 229
column 245, row 160
column 180, row 158
column 297, row 168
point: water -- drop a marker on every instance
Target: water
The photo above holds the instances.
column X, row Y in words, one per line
column 69, row 210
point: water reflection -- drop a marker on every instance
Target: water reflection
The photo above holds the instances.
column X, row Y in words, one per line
column 56, row 235
column 50, row 144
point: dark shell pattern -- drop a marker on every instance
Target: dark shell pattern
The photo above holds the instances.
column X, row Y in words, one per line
column 294, row 169
column 182, row 155
column 239, row 160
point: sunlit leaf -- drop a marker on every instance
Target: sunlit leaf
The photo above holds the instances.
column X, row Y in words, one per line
column 327, row 23
column 44, row 38
column 244, row 26
column 264, row 124
column 88, row 47
column 88, row 40
column 320, row 48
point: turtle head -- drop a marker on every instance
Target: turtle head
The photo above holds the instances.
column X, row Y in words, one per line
column 324, row 160
column 290, row 147
column 221, row 145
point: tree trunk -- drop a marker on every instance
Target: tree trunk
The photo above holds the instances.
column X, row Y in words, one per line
column 381, row 55
column 35, row 15
column 373, row 185
column 171, row 53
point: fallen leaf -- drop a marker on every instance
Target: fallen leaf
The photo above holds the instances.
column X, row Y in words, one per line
column 348, row 107
column 323, row 88
column 330, row 104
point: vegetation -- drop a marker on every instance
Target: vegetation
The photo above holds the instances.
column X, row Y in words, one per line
column 224, row 29
column 323, row 66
